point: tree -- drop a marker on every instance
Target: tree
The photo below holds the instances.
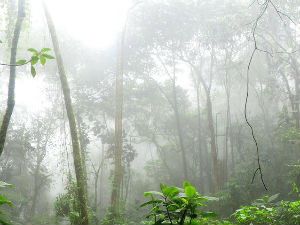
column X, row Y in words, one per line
column 12, row 77
column 80, row 180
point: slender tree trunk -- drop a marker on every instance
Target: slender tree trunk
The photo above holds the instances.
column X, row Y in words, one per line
column 12, row 75
column 228, row 115
column 83, row 145
column 82, row 198
column 201, row 155
column 213, row 148
column 118, row 173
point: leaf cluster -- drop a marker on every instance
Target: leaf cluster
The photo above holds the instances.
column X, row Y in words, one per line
column 174, row 205
column 4, row 201
column 37, row 56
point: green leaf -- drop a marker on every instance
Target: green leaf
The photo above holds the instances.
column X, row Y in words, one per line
column 186, row 184
column 3, row 222
column 21, row 62
column 3, row 184
column 151, row 202
column 0, row 41
column 48, row 56
column 45, row 49
column 43, row 60
column 190, row 191
column 4, row 201
column 34, row 60
column 32, row 50
column 152, row 193
column 208, row 214
column 33, row 72
column 170, row 191
column 162, row 186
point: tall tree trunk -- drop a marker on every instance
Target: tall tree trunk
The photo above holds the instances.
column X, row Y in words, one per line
column 202, row 149
column 118, row 173
column 227, row 86
column 12, row 76
column 213, row 148
column 82, row 198
column 199, row 133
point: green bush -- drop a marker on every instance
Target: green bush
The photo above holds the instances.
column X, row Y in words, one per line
column 264, row 211
column 175, row 205
column 4, row 201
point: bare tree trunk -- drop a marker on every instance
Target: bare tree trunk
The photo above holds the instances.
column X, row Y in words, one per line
column 201, row 142
column 213, row 148
column 118, row 173
column 82, row 198
column 227, row 86
column 12, row 76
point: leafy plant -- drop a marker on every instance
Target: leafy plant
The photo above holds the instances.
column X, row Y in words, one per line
column 265, row 211
column 174, row 205
column 41, row 56
column 67, row 205
column 4, row 201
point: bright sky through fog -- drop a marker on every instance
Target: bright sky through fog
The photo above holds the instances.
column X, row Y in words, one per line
column 95, row 22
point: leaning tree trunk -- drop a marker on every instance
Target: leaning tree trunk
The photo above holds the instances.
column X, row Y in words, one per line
column 12, row 76
column 82, row 198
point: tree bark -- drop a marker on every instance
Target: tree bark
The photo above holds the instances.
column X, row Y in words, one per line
column 12, row 77
column 118, row 173
column 82, row 198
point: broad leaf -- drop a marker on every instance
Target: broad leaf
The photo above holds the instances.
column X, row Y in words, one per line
column 21, row 62
column 43, row 60
column 33, row 72
column 152, row 193
column 48, row 56
column 186, row 184
column 34, row 60
column 170, row 191
column 190, row 191
column 32, row 50
column 45, row 49
column 3, row 184
column 151, row 202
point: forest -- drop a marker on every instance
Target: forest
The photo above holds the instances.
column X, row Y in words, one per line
column 150, row 112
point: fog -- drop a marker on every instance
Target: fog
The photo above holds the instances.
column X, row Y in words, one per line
column 149, row 112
